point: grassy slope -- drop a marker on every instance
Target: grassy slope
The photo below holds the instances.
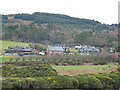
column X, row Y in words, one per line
column 69, row 67
column 81, row 69
column 5, row 44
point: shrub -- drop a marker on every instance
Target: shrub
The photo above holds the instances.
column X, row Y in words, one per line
column 20, row 54
column 23, row 59
column 118, row 69
column 41, row 82
column 109, row 80
column 88, row 82
column 61, row 82
column 6, row 84
column 34, row 70
column 65, row 64
column 115, row 80
column 17, row 58
column 74, row 82
column 10, row 59
column 105, row 80
column 100, row 62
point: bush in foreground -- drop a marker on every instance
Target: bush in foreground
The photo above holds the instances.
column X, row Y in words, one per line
column 86, row 81
column 35, row 70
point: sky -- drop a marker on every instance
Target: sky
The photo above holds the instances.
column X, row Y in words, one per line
column 104, row 11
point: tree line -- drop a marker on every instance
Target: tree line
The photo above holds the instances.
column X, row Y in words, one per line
column 54, row 34
column 64, row 20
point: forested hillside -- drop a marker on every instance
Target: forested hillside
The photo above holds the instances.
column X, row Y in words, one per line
column 49, row 28
column 64, row 20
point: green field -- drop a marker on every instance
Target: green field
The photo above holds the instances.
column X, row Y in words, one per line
column 5, row 44
column 82, row 69
column 73, row 50
column 7, row 58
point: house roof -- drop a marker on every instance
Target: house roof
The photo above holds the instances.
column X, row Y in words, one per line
column 17, row 48
column 78, row 46
column 55, row 48
column 90, row 49
column 26, row 50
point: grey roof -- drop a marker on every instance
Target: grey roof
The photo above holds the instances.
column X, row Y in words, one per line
column 55, row 48
column 89, row 49
column 17, row 49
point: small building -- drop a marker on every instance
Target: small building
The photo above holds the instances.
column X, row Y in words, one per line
column 112, row 50
column 77, row 47
column 88, row 50
column 55, row 50
column 117, row 55
column 66, row 48
column 42, row 53
column 11, row 17
column 18, row 49
column 1, row 53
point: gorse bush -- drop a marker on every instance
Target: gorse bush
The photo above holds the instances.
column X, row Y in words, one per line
column 43, row 76
column 115, row 82
column 86, row 81
column 111, row 80
column 62, row 82
column 35, row 70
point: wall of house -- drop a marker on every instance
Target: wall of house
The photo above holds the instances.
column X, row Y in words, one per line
column 10, row 17
column 117, row 55
column 54, row 52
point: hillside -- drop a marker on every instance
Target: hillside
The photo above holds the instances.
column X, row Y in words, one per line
column 60, row 19
column 47, row 28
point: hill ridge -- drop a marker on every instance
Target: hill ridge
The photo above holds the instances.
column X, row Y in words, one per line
column 60, row 19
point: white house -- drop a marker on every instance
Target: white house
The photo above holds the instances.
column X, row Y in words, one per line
column 78, row 47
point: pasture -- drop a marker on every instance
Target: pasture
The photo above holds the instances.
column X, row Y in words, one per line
column 82, row 69
column 9, row 58
column 5, row 44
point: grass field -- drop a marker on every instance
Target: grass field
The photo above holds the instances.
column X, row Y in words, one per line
column 6, row 58
column 73, row 50
column 82, row 69
column 5, row 44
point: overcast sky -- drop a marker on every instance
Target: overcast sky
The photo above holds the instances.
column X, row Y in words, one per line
column 105, row 11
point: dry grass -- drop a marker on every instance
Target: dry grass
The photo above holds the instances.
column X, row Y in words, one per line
column 82, row 69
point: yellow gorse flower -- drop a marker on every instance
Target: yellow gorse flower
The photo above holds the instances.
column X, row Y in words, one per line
column 107, row 77
column 49, row 78
column 15, row 78
column 114, row 71
column 31, row 79
column 97, row 74
column 94, row 78
column 54, row 81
